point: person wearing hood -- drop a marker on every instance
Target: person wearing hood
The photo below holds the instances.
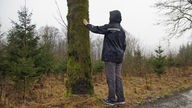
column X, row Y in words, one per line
column 114, row 46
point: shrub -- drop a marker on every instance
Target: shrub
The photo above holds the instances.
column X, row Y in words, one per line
column 98, row 66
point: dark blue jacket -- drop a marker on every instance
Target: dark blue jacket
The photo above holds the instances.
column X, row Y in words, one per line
column 114, row 40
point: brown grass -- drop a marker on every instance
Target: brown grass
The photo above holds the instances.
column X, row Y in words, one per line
column 50, row 91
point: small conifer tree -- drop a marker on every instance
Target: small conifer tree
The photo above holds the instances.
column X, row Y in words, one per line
column 22, row 50
column 159, row 62
column 4, row 70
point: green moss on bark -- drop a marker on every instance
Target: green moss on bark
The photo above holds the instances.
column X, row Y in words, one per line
column 79, row 69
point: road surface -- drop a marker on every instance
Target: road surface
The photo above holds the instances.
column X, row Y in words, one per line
column 179, row 100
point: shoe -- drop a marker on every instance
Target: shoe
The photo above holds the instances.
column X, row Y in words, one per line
column 109, row 102
column 120, row 102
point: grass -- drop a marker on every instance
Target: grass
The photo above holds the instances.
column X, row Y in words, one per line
column 50, row 91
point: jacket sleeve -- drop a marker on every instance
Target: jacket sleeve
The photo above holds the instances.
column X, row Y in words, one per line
column 97, row 29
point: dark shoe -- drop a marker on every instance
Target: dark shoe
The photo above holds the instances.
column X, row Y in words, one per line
column 120, row 102
column 108, row 102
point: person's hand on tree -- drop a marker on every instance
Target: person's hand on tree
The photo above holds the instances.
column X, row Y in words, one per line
column 85, row 22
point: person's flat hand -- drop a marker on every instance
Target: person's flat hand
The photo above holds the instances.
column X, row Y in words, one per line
column 85, row 22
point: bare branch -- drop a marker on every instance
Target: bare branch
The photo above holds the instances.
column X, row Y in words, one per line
column 1, row 34
column 178, row 14
column 61, row 21
column 190, row 1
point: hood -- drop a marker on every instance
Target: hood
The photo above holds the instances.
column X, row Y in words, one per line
column 115, row 16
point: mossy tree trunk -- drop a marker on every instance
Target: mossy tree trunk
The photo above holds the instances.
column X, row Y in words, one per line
column 79, row 69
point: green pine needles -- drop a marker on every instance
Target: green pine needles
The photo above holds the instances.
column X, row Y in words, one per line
column 159, row 62
column 27, row 58
column 22, row 50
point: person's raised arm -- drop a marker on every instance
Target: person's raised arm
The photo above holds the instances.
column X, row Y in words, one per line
column 95, row 29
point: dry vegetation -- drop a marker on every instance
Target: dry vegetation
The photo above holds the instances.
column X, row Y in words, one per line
column 49, row 92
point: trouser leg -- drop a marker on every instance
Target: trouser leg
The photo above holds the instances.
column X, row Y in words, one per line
column 119, row 85
column 110, row 77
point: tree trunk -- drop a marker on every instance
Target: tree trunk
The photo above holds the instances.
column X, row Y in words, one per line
column 24, row 90
column 79, row 69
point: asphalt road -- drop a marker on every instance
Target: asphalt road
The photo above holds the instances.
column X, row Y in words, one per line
column 179, row 100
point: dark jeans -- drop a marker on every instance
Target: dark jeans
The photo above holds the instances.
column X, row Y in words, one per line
column 114, row 81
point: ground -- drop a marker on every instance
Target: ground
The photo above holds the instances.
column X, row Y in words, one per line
column 49, row 92
column 178, row 100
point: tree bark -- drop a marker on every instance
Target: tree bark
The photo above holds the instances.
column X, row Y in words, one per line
column 79, row 69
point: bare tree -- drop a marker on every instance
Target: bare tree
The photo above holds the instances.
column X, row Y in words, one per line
column 61, row 46
column 190, row 1
column 96, row 47
column 178, row 16
column 99, row 45
column 1, row 34
column 131, row 43
column 60, row 20
column 49, row 34
column 55, row 39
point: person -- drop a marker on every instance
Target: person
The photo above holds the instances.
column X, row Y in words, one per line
column 112, row 54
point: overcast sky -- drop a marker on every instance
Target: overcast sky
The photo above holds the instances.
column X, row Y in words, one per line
column 138, row 17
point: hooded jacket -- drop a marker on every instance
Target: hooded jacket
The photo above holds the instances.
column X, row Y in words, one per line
column 114, row 38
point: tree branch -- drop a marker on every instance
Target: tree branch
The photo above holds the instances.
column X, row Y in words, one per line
column 61, row 22
column 178, row 16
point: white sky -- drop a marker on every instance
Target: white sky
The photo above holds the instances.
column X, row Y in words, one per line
column 138, row 17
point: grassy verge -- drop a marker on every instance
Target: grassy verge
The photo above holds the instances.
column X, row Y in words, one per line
column 50, row 91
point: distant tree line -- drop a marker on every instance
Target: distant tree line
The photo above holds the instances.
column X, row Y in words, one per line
column 182, row 59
